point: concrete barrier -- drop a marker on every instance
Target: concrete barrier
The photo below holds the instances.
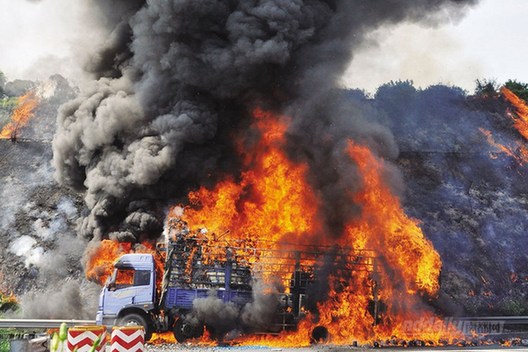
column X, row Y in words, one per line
column 83, row 337
column 128, row 339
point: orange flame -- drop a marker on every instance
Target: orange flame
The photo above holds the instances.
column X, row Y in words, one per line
column 164, row 337
column 7, row 300
column 519, row 154
column 278, row 204
column 520, row 122
column 520, row 117
column 168, row 337
column 21, row 115
column 272, row 203
column 102, row 257
column 383, row 224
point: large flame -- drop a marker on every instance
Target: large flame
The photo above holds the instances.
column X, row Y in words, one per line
column 391, row 268
column 21, row 115
column 102, row 257
column 520, row 116
column 272, row 203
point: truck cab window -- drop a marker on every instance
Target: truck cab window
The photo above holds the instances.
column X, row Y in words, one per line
column 141, row 277
column 124, row 278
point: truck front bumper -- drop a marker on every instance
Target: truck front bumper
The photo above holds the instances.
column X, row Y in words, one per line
column 108, row 320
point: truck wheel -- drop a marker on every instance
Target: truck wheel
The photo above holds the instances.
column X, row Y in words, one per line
column 178, row 331
column 319, row 334
column 136, row 320
column 184, row 330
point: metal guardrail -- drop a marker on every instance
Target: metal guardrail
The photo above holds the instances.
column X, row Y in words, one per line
column 507, row 319
column 41, row 323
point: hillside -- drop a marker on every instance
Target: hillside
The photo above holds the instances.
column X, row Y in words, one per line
column 468, row 194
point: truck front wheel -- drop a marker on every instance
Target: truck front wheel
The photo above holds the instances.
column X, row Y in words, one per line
column 134, row 319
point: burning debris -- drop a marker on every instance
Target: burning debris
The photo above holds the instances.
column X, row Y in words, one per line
column 8, row 302
column 520, row 115
column 272, row 202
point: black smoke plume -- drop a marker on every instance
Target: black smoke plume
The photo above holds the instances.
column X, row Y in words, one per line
column 176, row 78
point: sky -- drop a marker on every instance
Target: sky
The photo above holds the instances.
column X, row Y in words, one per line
column 39, row 38
column 490, row 42
column 42, row 37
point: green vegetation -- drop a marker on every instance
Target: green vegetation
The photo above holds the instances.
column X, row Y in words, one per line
column 7, row 302
column 58, row 341
column 4, row 344
column 8, row 103
column 490, row 88
column 518, row 88
column 513, row 306
column 5, row 336
column 486, row 87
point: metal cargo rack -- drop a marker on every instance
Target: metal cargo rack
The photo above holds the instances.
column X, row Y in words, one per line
column 196, row 262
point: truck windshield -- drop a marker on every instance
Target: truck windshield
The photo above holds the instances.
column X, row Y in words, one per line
column 124, row 278
column 129, row 277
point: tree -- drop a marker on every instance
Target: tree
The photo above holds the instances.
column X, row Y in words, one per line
column 2, row 83
column 518, row 88
column 486, row 88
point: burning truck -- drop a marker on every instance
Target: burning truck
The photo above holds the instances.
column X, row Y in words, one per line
column 262, row 268
column 197, row 269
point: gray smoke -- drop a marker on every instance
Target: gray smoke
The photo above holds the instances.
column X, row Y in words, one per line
column 219, row 317
column 177, row 78
column 39, row 261
column 259, row 314
column 66, row 300
column 224, row 317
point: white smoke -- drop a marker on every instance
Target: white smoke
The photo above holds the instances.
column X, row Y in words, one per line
column 42, row 38
column 26, row 247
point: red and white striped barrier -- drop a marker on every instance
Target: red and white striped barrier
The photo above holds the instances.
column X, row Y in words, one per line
column 128, row 339
column 83, row 337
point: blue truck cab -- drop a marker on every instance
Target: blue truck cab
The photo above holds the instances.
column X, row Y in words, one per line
column 129, row 294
